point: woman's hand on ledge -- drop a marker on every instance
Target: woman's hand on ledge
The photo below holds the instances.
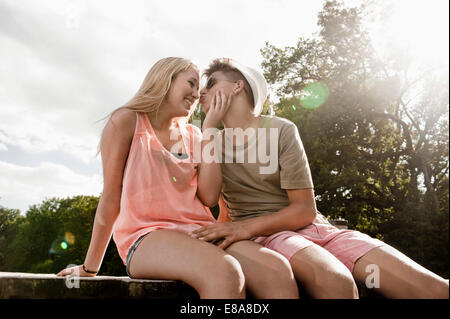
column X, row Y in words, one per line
column 77, row 271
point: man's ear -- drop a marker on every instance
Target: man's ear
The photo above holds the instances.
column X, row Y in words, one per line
column 239, row 86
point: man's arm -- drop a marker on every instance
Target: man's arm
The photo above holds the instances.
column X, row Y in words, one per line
column 299, row 213
column 295, row 178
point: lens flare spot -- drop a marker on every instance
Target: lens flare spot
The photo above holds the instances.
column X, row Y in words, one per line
column 64, row 245
column 313, row 95
column 174, row 179
column 70, row 238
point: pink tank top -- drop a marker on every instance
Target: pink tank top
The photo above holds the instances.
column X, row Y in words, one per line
column 159, row 190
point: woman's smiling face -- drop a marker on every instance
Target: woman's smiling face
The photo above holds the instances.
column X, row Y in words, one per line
column 183, row 92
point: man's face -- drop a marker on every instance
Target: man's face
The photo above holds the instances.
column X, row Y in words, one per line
column 215, row 82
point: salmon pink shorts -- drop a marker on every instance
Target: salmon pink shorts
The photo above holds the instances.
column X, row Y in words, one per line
column 346, row 245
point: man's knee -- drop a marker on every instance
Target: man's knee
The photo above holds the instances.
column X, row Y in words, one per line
column 322, row 275
column 438, row 288
column 332, row 283
column 280, row 277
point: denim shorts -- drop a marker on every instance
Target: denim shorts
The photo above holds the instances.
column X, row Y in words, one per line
column 131, row 252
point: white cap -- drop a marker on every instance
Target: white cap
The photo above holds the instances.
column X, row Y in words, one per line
column 257, row 83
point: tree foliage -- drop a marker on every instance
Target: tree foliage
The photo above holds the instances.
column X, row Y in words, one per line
column 51, row 236
column 378, row 146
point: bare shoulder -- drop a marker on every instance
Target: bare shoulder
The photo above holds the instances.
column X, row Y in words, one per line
column 119, row 130
column 124, row 118
column 122, row 122
column 115, row 146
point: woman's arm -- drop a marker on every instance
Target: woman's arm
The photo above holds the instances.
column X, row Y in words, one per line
column 115, row 146
column 210, row 173
column 300, row 213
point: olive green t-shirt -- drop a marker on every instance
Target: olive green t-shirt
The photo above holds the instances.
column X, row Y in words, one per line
column 257, row 174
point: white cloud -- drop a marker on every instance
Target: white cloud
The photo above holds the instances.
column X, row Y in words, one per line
column 65, row 64
column 21, row 186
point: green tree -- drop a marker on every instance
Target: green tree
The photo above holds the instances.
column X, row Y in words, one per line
column 378, row 145
column 10, row 219
column 57, row 233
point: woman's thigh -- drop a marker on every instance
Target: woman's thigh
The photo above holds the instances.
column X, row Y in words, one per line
column 172, row 255
column 268, row 274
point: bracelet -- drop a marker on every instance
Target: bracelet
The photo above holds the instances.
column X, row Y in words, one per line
column 89, row 271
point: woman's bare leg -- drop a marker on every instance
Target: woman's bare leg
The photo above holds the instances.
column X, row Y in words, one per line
column 172, row 255
column 268, row 274
column 322, row 274
column 400, row 276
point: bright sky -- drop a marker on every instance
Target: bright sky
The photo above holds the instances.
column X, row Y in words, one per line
column 65, row 64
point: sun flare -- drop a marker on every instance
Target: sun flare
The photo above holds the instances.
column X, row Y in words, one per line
column 418, row 26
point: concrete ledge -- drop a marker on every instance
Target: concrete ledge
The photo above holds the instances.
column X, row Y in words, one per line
column 15, row 285
column 47, row 286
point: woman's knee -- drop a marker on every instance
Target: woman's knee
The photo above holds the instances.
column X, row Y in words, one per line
column 223, row 274
column 346, row 285
column 172, row 255
column 229, row 270
column 268, row 274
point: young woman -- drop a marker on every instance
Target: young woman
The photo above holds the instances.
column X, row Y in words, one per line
column 155, row 194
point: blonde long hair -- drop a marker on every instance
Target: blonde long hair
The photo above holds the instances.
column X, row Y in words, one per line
column 154, row 88
column 156, row 84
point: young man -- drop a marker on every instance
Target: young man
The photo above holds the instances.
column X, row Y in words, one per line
column 270, row 200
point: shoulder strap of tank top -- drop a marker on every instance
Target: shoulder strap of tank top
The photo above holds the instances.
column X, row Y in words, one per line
column 141, row 123
column 185, row 136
